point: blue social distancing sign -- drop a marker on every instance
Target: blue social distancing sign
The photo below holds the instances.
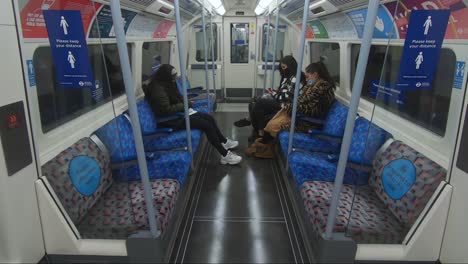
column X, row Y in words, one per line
column 85, row 174
column 31, row 73
column 459, row 75
column 421, row 52
column 69, row 48
column 398, row 177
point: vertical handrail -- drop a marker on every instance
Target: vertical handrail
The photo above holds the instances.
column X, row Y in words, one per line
column 205, row 47
column 183, row 73
column 265, row 53
column 132, row 107
column 305, row 16
column 275, row 46
column 372, row 10
column 213, row 62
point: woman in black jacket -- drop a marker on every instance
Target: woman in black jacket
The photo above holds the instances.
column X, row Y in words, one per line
column 266, row 106
column 164, row 98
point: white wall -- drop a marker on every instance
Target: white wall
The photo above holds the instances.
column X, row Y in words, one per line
column 20, row 229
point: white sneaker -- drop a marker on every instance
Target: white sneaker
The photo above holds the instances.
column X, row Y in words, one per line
column 230, row 144
column 231, row 158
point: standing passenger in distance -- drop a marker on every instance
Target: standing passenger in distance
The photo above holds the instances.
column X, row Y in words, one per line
column 266, row 106
column 315, row 101
column 164, row 98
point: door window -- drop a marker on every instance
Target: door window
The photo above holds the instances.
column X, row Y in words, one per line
column 239, row 42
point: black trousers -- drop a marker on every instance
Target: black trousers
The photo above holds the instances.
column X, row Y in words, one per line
column 204, row 122
column 262, row 111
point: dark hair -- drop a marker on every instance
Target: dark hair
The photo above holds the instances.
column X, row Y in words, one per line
column 322, row 71
column 163, row 78
column 291, row 63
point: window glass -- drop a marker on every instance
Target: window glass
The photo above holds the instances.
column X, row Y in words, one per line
column 329, row 54
column 58, row 105
column 154, row 53
column 271, row 44
column 240, row 43
column 427, row 108
column 200, row 56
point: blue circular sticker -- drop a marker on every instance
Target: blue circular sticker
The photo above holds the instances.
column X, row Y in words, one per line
column 398, row 178
column 85, row 174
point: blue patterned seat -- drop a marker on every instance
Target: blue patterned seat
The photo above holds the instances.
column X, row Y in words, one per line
column 333, row 126
column 117, row 136
column 402, row 183
column 367, row 139
column 166, row 138
column 108, row 209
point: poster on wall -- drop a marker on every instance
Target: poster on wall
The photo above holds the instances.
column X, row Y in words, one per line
column 32, row 19
column 384, row 26
column 103, row 25
column 143, row 26
column 457, row 25
column 309, row 33
column 421, row 52
column 339, row 27
column 69, row 49
column 319, row 31
column 163, row 28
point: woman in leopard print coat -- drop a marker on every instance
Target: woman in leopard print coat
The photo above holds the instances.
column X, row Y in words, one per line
column 315, row 101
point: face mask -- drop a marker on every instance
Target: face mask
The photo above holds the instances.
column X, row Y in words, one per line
column 311, row 82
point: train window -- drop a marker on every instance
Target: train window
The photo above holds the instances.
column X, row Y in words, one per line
column 240, row 43
column 329, row 54
column 200, row 54
column 154, row 53
column 57, row 105
column 426, row 108
column 271, row 45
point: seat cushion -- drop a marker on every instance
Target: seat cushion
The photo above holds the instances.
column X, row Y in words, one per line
column 161, row 165
column 308, row 142
column 176, row 139
column 317, row 167
column 335, row 122
column 366, row 141
column 59, row 173
column 361, row 214
column 122, row 212
column 414, row 190
column 117, row 136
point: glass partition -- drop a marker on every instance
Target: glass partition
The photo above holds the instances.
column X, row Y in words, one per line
column 84, row 138
column 154, row 54
column 271, row 46
column 329, row 54
column 200, row 50
column 429, row 107
column 388, row 181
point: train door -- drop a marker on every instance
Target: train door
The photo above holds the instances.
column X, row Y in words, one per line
column 240, row 56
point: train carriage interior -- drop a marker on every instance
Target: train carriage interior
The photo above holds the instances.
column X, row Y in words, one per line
column 233, row 131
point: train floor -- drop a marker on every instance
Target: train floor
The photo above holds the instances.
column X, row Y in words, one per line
column 239, row 214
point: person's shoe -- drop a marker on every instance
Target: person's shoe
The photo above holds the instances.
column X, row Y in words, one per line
column 242, row 123
column 265, row 151
column 231, row 158
column 250, row 151
column 230, row 144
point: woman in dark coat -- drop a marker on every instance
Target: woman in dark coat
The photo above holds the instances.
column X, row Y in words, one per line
column 265, row 107
column 164, row 98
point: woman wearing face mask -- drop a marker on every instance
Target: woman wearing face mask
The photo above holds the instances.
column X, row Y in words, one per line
column 315, row 101
column 164, row 98
column 261, row 111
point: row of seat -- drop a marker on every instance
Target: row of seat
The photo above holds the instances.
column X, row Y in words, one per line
column 97, row 179
column 387, row 183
